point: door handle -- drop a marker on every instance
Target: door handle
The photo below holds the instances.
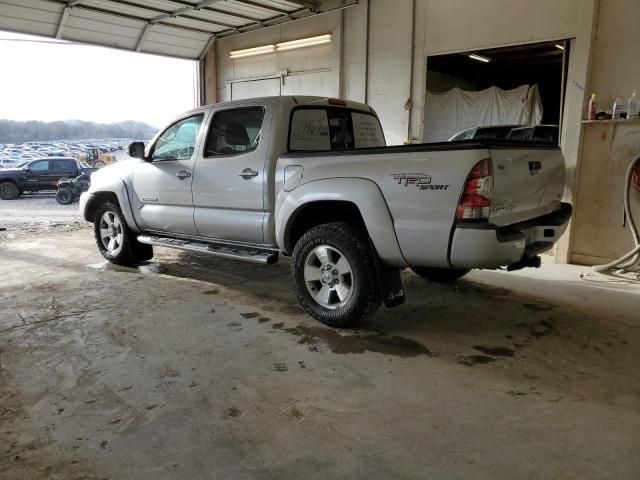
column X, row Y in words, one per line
column 248, row 173
column 182, row 174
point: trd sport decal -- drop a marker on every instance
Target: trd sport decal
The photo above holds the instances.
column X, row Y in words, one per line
column 420, row 180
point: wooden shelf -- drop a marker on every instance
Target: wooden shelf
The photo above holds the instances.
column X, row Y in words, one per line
column 602, row 122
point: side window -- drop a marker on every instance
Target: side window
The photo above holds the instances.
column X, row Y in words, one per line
column 39, row 166
column 63, row 165
column 234, row 131
column 178, row 142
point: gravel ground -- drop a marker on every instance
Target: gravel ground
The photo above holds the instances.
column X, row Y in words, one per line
column 40, row 213
column 37, row 213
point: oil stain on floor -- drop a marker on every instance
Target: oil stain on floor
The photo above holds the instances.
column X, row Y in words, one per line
column 320, row 338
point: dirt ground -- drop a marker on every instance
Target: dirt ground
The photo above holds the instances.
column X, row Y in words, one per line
column 189, row 367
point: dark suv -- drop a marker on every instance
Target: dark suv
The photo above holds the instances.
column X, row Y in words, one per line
column 38, row 175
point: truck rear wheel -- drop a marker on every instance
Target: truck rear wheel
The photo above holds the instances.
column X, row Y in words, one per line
column 116, row 242
column 440, row 275
column 334, row 275
column 9, row 191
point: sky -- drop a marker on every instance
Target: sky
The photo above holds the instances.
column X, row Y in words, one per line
column 43, row 79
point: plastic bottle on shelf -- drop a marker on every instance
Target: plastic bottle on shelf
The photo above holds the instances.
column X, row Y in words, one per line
column 591, row 113
column 633, row 107
column 616, row 113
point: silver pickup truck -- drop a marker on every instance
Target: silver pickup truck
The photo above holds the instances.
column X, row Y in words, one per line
column 311, row 178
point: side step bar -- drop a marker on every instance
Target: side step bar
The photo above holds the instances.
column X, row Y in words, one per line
column 265, row 257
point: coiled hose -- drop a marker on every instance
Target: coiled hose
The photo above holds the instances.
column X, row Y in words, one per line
column 632, row 258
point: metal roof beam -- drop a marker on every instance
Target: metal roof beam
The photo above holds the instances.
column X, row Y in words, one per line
column 206, row 48
column 65, row 16
column 312, row 5
column 132, row 17
column 277, row 19
column 222, row 12
column 168, row 13
column 265, row 7
column 143, row 37
column 63, row 22
column 182, row 11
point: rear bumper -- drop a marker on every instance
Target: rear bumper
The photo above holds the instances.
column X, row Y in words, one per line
column 484, row 245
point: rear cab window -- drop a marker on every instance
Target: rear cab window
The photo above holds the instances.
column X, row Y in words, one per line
column 63, row 165
column 327, row 128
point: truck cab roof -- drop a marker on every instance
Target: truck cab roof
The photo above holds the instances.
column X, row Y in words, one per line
column 292, row 100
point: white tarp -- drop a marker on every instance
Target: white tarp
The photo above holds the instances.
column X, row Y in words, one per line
column 449, row 112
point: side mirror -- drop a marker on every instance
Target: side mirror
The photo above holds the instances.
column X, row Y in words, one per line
column 26, row 169
column 136, row 150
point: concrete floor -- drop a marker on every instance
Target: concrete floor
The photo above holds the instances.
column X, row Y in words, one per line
column 189, row 367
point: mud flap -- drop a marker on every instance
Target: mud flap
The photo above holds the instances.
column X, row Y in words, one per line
column 389, row 281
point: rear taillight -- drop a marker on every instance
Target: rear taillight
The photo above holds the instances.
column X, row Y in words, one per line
column 475, row 201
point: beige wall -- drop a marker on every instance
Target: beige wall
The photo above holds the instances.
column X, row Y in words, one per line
column 616, row 65
column 319, row 58
column 607, row 149
column 459, row 25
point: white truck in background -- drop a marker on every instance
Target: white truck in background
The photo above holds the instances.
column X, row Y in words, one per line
column 311, row 178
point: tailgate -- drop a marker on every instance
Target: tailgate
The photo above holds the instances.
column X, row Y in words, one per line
column 528, row 182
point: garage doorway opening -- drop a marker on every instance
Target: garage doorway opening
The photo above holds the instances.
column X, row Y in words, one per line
column 516, row 86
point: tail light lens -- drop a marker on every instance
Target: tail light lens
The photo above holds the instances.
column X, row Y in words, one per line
column 475, row 201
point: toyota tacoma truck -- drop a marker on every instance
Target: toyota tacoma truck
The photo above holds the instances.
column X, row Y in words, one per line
column 312, row 178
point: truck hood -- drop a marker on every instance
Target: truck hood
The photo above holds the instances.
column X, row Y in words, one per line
column 11, row 171
column 114, row 172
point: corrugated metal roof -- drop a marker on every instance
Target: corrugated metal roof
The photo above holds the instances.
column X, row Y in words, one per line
column 177, row 28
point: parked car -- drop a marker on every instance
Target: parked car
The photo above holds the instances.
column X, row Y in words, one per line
column 311, row 178
column 9, row 162
column 38, row 175
column 489, row 132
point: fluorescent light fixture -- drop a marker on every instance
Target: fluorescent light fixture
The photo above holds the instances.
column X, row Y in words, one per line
column 249, row 52
column 305, row 42
column 479, row 58
column 559, row 47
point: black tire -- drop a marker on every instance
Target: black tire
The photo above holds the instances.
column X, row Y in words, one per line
column 351, row 243
column 65, row 196
column 129, row 250
column 9, row 191
column 440, row 275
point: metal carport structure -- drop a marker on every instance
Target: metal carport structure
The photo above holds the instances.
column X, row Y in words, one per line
column 176, row 28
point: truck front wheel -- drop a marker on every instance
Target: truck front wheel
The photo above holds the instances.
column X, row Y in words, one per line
column 9, row 191
column 334, row 274
column 116, row 242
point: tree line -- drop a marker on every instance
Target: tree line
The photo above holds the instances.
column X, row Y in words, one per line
column 12, row 131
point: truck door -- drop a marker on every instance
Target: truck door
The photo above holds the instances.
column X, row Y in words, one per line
column 36, row 176
column 229, row 179
column 63, row 168
column 162, row 198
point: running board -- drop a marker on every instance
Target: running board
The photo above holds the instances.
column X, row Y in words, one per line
column 248, row 254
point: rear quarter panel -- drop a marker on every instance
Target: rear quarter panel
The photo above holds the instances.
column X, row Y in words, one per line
column 421, row 190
